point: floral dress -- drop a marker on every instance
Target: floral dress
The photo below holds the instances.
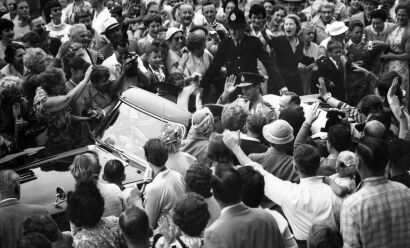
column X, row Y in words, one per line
column 106, row 234
column 400, row 66
column 57, row 124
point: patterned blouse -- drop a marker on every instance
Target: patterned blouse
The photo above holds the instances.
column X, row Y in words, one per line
column 106, row 234
column 58, row 123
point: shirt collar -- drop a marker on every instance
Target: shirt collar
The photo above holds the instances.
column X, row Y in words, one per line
column 311, row 180
column 372, row 180
column 225, row 209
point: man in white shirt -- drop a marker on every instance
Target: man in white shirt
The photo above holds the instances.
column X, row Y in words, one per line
column 189, row 18
column 124, row 65
column 79, row 35
column 304, row 204
column 101, row 15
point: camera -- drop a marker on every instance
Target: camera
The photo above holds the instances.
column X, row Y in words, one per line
column 129, row 58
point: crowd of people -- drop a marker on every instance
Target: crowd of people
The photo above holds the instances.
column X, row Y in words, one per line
column 248, row 173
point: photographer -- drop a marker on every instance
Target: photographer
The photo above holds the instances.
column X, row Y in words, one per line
column 126, row 68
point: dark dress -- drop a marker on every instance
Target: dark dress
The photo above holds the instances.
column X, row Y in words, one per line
column 288, row 61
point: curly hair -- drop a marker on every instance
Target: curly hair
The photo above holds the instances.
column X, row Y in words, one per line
column 85, row 168
column 195, row 41
column 36, row 60
column 85, row 206
column 234, row 117
column 43, row 224
column 152, row 18
column 99, row 73
column 198, row 180
column 191, row 214
column 51, row 77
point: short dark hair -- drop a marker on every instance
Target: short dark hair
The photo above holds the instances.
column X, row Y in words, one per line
column 11, row 50
column 307, row 159
column 195, row 41
column 81, row 14
column 134, row 225
column 278, row 7
column 321, row 236
column 4, row 23
column 218, row 151
column 153, row 49
column 355, row 23
column 379, row 14
column 41, row 223
column 334, row 44
column 120, row 43
column 257, row 9
column 85, row 205
column 253, row 186
column 370, row 104
column 399, row 154
column 98, row 73
column 47, row 9
column 386, row 80
column 373, row 153
column 340, row 137
column 50, row 77
column 34, row 240
column 152, row 18
column 384, row 117
column 156, row 152
column 226, row 184
column 77, row 63
column 33, row 38
column 191, row 214
column 229, row 1
column 198, row 179
column 294, row 98
column 294, row 115
column 403, row 5
column 113, row 170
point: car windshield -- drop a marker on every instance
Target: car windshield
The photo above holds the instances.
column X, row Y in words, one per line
column 130, row 129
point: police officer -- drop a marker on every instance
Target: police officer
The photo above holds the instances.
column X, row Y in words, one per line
column 252, row 100
column 239, row 53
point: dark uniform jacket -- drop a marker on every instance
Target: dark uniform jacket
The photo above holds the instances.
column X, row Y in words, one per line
column 243, row 59
column 334, row 77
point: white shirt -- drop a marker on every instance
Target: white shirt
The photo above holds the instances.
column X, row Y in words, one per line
column 59, row 31
column 115, row 67
column 223, row 210
column 304, row 204
column 100, row 19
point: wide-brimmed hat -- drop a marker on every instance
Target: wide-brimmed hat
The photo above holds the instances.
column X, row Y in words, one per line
column 236, row 19
column 278, row 132
column 249, row 78
column 171, row 31
column 336, row 28
column 110, row 24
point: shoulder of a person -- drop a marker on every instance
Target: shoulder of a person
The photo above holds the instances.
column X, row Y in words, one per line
column 112, row 220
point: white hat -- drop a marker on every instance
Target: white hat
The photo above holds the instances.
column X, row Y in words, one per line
column 171, row 31
column 278, row 132
column 336, row 28
column 110, row 24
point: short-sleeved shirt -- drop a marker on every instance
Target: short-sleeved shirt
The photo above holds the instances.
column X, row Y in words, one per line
column 57, row 123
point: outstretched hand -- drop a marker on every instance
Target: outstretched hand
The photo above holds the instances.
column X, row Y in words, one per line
column 230, row 86
column 231, row 139
column 322, row 88
column 312, row 113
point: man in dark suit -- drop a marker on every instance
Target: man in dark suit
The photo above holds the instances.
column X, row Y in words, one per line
column 12, row 212
column 239, row 53
column 239, row 226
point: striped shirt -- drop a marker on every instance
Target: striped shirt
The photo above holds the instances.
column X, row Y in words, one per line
column 377, row 215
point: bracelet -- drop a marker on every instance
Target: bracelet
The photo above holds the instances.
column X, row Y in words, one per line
column 327, row 99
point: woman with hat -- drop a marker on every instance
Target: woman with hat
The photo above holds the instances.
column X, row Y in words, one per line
column 175, row 39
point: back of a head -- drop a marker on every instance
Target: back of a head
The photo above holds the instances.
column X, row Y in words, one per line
column 77, row 63
column 253, row 186
column 41, row 223
column 234, row 117
column 307, row 159
column 85, row 205
column 374, row 129
column 294, row 115
column 255, row 123
column 218, row 151
column 86, row 168
column 384, row 117
column 34, row 240
column 9, row 183
column 226, row 185
column 134, row 225
column 386, row 80
column 198, row 179
column 340, row 137
column 114, row 171
column 399, row 154
column 99, row 73
column 191, row 214
column 156, row 152
column 370, row 104
column 373, row 154
column 323, row 236
column 202, row 122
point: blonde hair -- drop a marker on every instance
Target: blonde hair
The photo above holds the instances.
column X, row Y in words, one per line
column 85, row 168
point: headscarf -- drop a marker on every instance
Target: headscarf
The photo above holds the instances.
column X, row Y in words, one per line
column 202, row 122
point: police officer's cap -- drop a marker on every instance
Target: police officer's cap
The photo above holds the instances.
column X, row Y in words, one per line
column 236, row 19
column 249, row 78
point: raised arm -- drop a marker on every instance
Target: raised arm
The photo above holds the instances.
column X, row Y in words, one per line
column 57, row 103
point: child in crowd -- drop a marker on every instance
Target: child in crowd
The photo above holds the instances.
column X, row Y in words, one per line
column 343, row 182
column 332, row 69
column 114, row 173
column 154, row 56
